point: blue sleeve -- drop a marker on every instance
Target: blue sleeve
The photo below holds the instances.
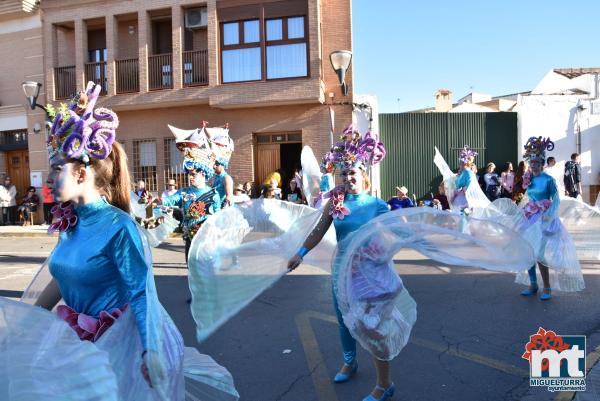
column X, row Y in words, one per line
column 382, row 207
column 128, row 256
column 216, row 202
column 173, row 200
column 552, row 194
column 410, row 202
column 464, row 179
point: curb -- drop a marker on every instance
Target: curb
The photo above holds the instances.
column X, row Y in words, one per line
column 45, row 235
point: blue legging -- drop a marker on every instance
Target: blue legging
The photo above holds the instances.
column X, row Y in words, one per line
column 532, row 275
column 348, row 342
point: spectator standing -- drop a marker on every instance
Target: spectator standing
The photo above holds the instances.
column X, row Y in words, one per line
column 518, row 190
column 572, row 178
column 49, row 203
column 29, row 204
column 440, row 200
column 170, row 190
column 247, row 188
column 293, row 193
column 401, row 200
column 8, row 200
column 492, row 182
column 507, row 180
column 551, row 162
column 140, row 189
column 273, row 179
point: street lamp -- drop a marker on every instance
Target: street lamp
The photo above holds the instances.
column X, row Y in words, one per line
column 340, row 61
column 32, row 91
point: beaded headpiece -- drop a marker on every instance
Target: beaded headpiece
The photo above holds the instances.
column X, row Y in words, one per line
column 536, row 147
column 353, row 150
column 79, row 131
column 467, row 155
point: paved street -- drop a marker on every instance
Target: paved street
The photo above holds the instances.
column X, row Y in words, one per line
column 467, row 343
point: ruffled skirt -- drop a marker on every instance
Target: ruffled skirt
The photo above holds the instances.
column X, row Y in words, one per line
column 42, row 358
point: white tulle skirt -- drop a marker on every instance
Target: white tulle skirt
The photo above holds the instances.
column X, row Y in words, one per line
column 240, row 252
column 42, row 358
column 553, row 245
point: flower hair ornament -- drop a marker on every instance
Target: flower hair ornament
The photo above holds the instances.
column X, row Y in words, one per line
column 202, row 147
column 536, row 147
column 467, row 155
column 353, row 150
column 79, row 131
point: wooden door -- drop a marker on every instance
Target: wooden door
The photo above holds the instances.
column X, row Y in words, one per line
column 18, row 170
column 267, row 161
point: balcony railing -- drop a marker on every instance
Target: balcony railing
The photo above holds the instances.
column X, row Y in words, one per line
column 127, row 75
column 64, row 82
column 160, row 71
column 96, row 72
column 195, row 67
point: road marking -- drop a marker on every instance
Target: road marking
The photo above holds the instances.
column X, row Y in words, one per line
column 323, row 384
column 314, row 358
column 590, row 361
column 471, row 356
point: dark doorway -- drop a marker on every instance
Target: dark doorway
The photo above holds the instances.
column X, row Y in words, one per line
column 289, row 161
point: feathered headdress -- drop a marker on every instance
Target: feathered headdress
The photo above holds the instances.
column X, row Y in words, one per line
column 79, row 131
column 467, row 155
column 536, row 147
column 354, row 150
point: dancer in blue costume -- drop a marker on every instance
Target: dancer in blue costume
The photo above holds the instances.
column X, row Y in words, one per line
column 198, row 200
column 111, row 339
column 223, row 147
column 556, row 249
column 349, row 209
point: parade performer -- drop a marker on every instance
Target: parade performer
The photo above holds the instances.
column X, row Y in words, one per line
column 370, row 301
column 555, row 248
column 463, row 189
column 350, row 208
column 198, row 200
column 374, row 308
column 222, row 145
column 111, row 339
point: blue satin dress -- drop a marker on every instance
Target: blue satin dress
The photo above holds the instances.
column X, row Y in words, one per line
column 363, row 208
column 462, row 182
column 543, row 187
column 99, row 264
column 219, row 185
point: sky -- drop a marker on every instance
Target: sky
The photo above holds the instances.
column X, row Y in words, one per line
column 405, row 50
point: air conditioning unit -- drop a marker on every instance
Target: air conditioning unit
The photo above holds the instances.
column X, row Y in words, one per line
column 196, row 18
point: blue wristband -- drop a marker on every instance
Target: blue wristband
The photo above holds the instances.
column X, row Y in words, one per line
column 302, row 252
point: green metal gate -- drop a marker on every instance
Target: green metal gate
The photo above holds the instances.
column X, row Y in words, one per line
column 410, row 139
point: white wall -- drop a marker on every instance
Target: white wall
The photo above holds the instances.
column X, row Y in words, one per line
column 375, row 171
column 557, row 117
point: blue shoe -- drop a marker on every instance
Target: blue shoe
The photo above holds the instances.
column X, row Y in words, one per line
column 530, row 291
column 344, row 377
column 548, row 296
column 387, row 393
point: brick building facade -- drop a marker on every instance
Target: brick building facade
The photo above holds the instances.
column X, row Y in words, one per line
column 22, row 60
column 181, row 62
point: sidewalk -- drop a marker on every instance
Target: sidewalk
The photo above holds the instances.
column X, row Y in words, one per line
column 37, row 231
column 27, row 231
